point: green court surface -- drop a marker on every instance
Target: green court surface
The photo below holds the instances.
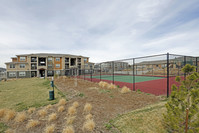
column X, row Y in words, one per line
column 127, row 78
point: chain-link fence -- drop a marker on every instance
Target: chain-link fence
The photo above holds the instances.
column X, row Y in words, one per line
column 150, row 74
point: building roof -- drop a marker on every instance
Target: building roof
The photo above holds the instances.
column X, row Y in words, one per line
column 50, row 54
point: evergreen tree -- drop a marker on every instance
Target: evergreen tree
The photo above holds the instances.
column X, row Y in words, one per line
column 182, row 114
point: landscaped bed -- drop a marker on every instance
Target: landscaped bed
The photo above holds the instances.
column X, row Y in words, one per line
column 107, row 104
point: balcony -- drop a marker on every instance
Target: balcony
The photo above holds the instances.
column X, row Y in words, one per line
column 42, row 62
column 33, row 66
column 33, row 59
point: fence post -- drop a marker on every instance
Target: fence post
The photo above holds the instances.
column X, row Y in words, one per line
column 91, row 71
column 167, row 75
column 196, row 64
column 100, row 72
column 133, row 74
column 185, row 62
column 113, row 70
column 152, row 69
column 84, row 72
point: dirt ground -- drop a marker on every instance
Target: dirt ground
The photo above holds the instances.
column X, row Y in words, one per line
column 107, row 104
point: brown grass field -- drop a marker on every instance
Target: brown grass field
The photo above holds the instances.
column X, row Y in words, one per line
column 88, row 107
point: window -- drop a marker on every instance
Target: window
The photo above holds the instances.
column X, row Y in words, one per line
column 57, row 72
column 50, row 66
column 66, row 59
column 50, row 58
column 22, row 58
column 85, row 59
column 12, row 74
column 50, row 73
column 22, row 65
column 57, row 65
column 79, row 59
column 12, row 65
column 57, row 59
column 22, row 73
column 33, row 59
column 86, row 65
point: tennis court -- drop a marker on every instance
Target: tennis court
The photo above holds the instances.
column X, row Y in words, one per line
column 127, row 78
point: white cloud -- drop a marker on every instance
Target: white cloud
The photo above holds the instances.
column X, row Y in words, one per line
column 103, row 30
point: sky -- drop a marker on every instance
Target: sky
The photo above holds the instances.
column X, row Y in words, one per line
column 103, row 30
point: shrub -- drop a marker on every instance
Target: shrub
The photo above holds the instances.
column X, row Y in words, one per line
column 125, row 90
column 21, row 117
column 61, row 109
column 32, row 123
column 103, row 84
column 89, row 125
column 31, row 110
column 71, row 110
column 49, row 106
column 112, row 86
column 89, row 117
column 70, row 120
column 87, row 107
column 10, row 114
column 75, row 104
column 62, row 102
column 68, row 129
column 50, row 129
column 42, row 113
column 2, row 112
column 52, row 117
column 183, row 104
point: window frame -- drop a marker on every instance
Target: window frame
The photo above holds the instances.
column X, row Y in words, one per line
column 22, row 75
column 56, row 65
column 13, row 65
column 50, row 59
column 57, row 59
column 22, row 58
column 24, row 65
column 12, row 74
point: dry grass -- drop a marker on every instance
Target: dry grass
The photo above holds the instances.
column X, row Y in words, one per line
column 9, row 115
column 68, row 129
column 61, row 109
column 103, row 84
column 89, row 125
column 144, row 120
column 49, row 106
column 62, row 102
column 9, row 131
column 125, row 90
column 70, row 120
column 87, row 107
column 42, row 112
column 21, row 117
column 75, row 104
column 89, row 117
column 49, row 129
column 52, row 117
column 112, row 86
column 32, row 123
column 72, row 110
column 31, row 110
column 2, row 112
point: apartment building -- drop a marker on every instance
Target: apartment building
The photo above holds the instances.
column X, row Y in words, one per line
column 44, row 65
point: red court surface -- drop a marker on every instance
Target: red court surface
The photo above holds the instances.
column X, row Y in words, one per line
column 156, row 87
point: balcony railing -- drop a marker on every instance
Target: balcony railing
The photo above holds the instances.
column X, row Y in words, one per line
column 33, row 68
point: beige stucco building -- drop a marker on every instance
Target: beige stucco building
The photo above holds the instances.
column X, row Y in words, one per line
column 45, row 64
